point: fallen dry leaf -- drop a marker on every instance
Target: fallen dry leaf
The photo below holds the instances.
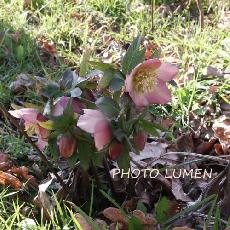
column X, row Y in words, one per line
column 83, row 223
column 8, row 179
column 150, row 221
column 178, row 192
column 115, row 215
column 221, row 128
column 43, row 200
column 24, row 173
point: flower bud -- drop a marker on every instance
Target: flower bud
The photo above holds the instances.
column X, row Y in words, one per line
column 67, row 144
column 139, row 140
column 115, row 150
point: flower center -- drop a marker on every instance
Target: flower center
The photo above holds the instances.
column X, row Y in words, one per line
column 145, row 80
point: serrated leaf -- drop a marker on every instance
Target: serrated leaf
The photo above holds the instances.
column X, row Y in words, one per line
column 84, row 65
column 101, row 66
column 53, row 148
column 52, row 90
column 108, row 106
column 65, row 122
column 133, row 56
column 148, row 127
column 116, row 84
column 106, row 78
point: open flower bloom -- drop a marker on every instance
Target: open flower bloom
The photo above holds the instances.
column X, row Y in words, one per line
column 95, row 122
column 146, row 83
column 31, row 117
column 61, row 103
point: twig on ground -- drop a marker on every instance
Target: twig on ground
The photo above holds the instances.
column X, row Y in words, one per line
column 208, row 157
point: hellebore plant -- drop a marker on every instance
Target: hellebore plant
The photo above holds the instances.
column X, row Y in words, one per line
column 89, row 115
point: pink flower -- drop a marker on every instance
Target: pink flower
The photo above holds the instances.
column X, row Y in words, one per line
column 146, row 83
column 95, row 122
column 115, row 150
column 139, row 140
column 61, row 103
column 31, row 117
column 67, row 144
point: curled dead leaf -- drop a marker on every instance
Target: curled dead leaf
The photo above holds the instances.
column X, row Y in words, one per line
column 221, row 128
column 83, row 223
column 115, row 215
column 8, row 179
column 145, row 219
column 24, row 173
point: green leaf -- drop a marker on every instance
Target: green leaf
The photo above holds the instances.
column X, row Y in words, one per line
column 116, row 83
column 133, row 56
column 148, row 127
column 108, row 106
column 135, row 224
column 53, row 147
column 52, row 90
column 124, row 159
column 65, row 122
column 84, row 65
column 161, row 209
column 106, row 78
column 85, row 154
column 101, row 66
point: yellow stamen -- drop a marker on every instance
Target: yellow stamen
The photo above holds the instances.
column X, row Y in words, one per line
column 145, row 80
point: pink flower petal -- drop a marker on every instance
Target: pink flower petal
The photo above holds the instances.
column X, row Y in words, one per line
column 61, row 103
column 151, row 63
column 78, row 107
column 139, row 99
column 167, row 71
column 59, row 106
column 89, row 120
column 102, row 135
column 128, row 83
column 41, row 144
column 160, row 95
column 29, row 115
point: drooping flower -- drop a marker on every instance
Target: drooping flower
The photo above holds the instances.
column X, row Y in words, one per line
column 61, row 103
column 115, row 150
column 67, row 144
column 95, row 122
column 31, row 118
column 139, row 140
column 146, row 83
